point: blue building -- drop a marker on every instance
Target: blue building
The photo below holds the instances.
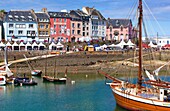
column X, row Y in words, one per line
column 20, row 25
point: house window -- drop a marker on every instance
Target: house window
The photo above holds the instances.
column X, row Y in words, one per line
column 46, row 33
column 30, row 26
column 20, row 32
column 54, row 19
column 83, row 28
column 55, row 32
column 73, row 25
column 11, row 25
column 41, row 26
column 60, row 20
column 54, row 26
column 78, row 25
column 83, row 33
column 20, row 26
column 46, row 26
column 78, row 32
column 11, row 32
column 28, row 32
column 65, row 20
column 72, row 31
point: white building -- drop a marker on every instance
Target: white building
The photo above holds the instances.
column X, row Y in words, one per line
column 20, row 25
column 162, row 41
column 97, row 23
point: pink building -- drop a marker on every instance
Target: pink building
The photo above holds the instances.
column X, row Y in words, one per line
column 60, row 26
column 118, row 29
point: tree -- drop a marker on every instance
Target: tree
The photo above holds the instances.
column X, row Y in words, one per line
column 2, row 10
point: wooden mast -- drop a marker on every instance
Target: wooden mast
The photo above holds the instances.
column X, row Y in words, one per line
column 140, row 44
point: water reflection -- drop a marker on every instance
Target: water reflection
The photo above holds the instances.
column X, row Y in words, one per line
column 2, row 89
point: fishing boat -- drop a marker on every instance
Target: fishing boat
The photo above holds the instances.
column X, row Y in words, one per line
column 137, row 96
column 33, row 71
column 55, row 78
column 24, row 81
column 2, row 80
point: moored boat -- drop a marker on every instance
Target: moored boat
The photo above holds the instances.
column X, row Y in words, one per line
column 55, row 80
column 2, row 80
column 145, row 95
column 24, row 82
column 36, row 72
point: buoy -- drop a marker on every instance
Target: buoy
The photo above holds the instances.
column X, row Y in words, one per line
column 86, row 76
column 73, row 82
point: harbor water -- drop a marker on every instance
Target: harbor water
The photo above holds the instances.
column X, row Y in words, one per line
column 88, row 93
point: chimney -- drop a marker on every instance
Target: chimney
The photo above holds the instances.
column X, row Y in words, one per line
column 32, row 10
column 44, row 9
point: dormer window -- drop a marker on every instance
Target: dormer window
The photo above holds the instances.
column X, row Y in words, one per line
column 29, row 17
column 10, row 16
column 22, row 16
column 16, row 16
column 117, row 22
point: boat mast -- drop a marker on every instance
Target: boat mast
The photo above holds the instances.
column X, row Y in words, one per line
column 140, row 45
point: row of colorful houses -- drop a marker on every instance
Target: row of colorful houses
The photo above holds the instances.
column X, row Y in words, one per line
column 63, row 26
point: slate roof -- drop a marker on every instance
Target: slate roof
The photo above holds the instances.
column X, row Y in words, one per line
column 79, row 15
column 116, row 23
column 19, row 16
column 42, row 15
column 59, row 14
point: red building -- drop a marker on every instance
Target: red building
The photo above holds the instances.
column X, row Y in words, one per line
column 60, row 26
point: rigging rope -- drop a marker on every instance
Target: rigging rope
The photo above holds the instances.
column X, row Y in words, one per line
column 154, row 17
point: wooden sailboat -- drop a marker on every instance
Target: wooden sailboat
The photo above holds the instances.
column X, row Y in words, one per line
column 138, row 97
column 33, row 71
column 54, row 78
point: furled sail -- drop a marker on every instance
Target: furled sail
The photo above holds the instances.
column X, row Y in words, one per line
column 8, row 71
column 156, row 72
column 150, row 76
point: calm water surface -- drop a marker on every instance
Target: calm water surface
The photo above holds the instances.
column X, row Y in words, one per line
column 87, row 94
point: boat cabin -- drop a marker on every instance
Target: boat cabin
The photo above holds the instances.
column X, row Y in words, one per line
column 165, row 95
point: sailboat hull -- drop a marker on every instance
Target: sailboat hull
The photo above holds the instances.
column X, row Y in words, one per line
column 134, row 105
column 36, row 72
column 55, row 80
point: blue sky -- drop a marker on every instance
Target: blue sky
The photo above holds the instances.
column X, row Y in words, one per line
column 108, row 8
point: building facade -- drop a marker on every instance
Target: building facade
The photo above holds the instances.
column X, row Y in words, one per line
column 119, row 29
column 20, row 25
column 60, row 26
column 97, row 23
column 43, row 21
column 79, row 25
column 161, row 41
